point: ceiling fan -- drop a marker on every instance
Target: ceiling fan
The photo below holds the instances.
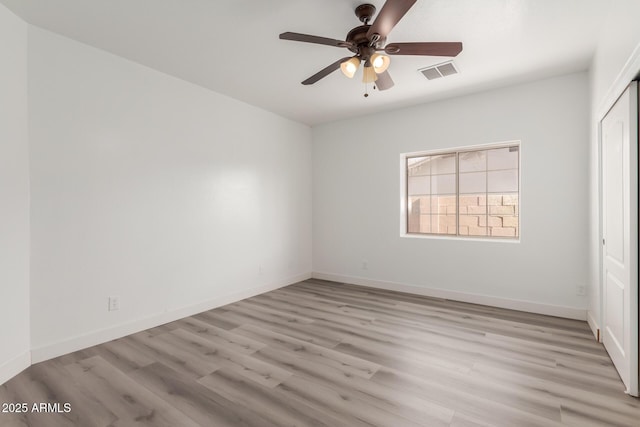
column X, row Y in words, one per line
column 367, row 40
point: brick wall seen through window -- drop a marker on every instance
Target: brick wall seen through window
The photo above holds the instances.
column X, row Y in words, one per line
column 468, row 192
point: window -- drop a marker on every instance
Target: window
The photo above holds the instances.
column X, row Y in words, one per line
column 467, row 192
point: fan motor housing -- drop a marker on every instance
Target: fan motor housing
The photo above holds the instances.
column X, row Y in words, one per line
column 358, row 36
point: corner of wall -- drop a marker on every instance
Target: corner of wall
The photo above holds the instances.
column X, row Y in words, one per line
column 576, row 313
column 82, row 341
column 15, row 197
column 14, row 366
column 593, row 324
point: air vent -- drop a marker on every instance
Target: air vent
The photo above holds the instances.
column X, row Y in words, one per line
column 440, row 70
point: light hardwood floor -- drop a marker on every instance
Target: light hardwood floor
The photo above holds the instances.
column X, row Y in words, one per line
column 319, row 353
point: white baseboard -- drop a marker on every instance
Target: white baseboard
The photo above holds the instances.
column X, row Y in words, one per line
column 118, row 331
column 593, row 324
column 14, row 366
column 512, row 304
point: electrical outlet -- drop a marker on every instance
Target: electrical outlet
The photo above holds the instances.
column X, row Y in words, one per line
column 365, row 264
column 581, row 290
column 114, row 303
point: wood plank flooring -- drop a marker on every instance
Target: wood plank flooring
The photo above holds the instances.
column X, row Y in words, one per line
column 320, row 353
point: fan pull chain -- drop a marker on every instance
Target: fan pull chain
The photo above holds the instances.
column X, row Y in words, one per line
column 366, row 93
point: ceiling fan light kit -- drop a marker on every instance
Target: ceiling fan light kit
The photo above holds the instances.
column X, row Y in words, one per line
column 367, row 40
column 369, row 74
column 350, row 66
column 380, row 62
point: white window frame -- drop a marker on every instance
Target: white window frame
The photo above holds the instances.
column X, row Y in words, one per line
column 455, row 150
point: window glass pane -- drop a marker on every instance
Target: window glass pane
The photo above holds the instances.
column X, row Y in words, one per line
column 473, row 182
column 473, row 215
column 425, row 224
column 480, row 199
column 494, row 199
column 443, row 164
column 510, row 227
column 473, row 225
column 474, row 204
column 443, row 184
column 503, row 158
column 419, row 205
column 503, row 181
column 473, row 161
column 418, row 218
column 498, row 205
column 418, row 166
column 503, row 231
column 443, row 205
column 419, row 185
column 503, row 215
column 443, row 224
column 413, row 224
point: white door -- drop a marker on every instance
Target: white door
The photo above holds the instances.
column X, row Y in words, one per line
column 620, row 236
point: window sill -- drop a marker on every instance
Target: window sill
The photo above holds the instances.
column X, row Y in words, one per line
column 461, row 238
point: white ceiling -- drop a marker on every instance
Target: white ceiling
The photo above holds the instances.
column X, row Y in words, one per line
column 232, row 46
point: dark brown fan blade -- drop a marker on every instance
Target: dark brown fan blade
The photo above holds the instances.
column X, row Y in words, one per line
column 390, row 14
column 426, row 49
column 384, row 81
column 314, row 39
column 325, row 72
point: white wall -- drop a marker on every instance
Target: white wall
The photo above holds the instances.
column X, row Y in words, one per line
column 619, row 37
column 356, row 205
column 170, row 196
column 614, row 65
column 14, row 197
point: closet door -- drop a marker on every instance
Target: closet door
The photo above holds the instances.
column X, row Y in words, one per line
column 620, row 235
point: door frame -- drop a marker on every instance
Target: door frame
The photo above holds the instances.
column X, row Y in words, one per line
column 629, row 72
column 633, row 336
